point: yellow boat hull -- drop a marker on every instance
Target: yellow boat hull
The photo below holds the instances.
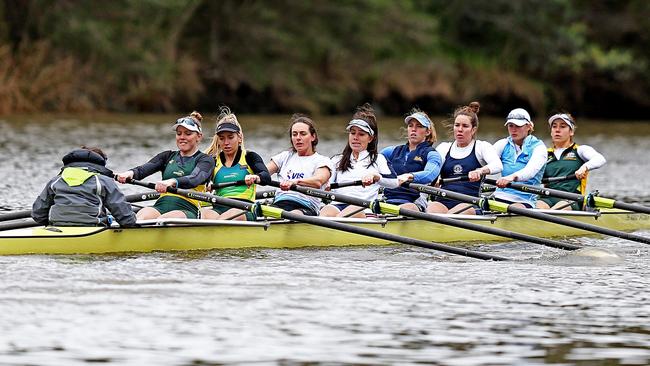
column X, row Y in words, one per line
column 175, row 235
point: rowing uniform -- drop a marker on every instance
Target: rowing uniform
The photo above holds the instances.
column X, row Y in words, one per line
column 245, row 163
column 459, row 161
column 566, row 161
column 190, row 172
column 81, row 194
column 360, row 168
column 293, row 166
column 423, row 162
column 526, row 162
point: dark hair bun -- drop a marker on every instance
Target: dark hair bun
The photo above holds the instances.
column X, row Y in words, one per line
column 474, row 107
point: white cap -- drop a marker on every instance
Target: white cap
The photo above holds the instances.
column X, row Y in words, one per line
column 362, row 125
column 189, row 123
column 563, row 116
column 519, row 117
column 421, row 118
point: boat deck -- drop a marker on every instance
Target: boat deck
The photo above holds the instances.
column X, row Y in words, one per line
column 186, row 234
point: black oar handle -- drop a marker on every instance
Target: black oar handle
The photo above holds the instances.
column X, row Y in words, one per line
column 16, row 215
column 240, row 182
column 559, row 179
column 462, row 178
column 146, row 196
column 542, row 191
column 229, row 184
column 336, row 185
column 465, row 178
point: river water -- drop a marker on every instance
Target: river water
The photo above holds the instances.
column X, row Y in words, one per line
column 360, row 305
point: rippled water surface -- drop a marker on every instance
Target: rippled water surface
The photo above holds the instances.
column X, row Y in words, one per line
column 374, row 305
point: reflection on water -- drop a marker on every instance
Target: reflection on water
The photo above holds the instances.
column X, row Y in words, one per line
column 376, row 305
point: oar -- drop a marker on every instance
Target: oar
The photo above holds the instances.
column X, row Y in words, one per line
column 229, row 184
column 588, row 200
column 27, row 214
column 336, row 185
column 504, row 207
column 274, row 212
column 271, row 194
column 385, row 208
column 559, row 179
column 464, row 178
column 24, row 214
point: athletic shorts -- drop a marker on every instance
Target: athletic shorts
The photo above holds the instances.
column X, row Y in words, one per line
column 551, row 201
column 169, row 203
column 451, row 204
column 221, row 209
column 399, row 201
column 526, row 204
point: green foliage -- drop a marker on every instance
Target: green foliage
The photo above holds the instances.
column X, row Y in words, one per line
column 327, row 56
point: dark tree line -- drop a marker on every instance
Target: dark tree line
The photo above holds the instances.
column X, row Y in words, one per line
column 589, row 57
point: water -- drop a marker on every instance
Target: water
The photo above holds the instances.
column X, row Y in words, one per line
column 364, row 306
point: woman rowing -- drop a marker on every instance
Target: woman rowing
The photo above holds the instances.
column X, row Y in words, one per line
column 523, row 156
column 465, row 157
column 233, row 163
column 186, row 168
column 360, row 160
column 415, row 161
column 300, row 165
column 567, row 158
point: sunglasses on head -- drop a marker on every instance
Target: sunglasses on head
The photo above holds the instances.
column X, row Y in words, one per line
column 519, row 117
column 187, row 120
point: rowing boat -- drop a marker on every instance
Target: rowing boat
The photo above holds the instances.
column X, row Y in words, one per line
column 186, row 234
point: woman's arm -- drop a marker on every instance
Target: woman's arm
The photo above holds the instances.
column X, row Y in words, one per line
column 320, row 177
column 431, row 169
column 155, row 164
column 259, row 169
column 199, row 175
column 486, row 154
column 593, row 159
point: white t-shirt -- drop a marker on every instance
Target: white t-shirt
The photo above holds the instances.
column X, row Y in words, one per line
column 484, row 151
column 359, row 170
column 292, row 166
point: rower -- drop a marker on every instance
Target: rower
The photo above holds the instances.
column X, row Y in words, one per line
column 465, row 157
column 360, row 160
column 567, row 158
column 523, row 156
column 416, row 161
column 233, row 163
column 186, row 168
column 300, row 165
column 80, row 194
